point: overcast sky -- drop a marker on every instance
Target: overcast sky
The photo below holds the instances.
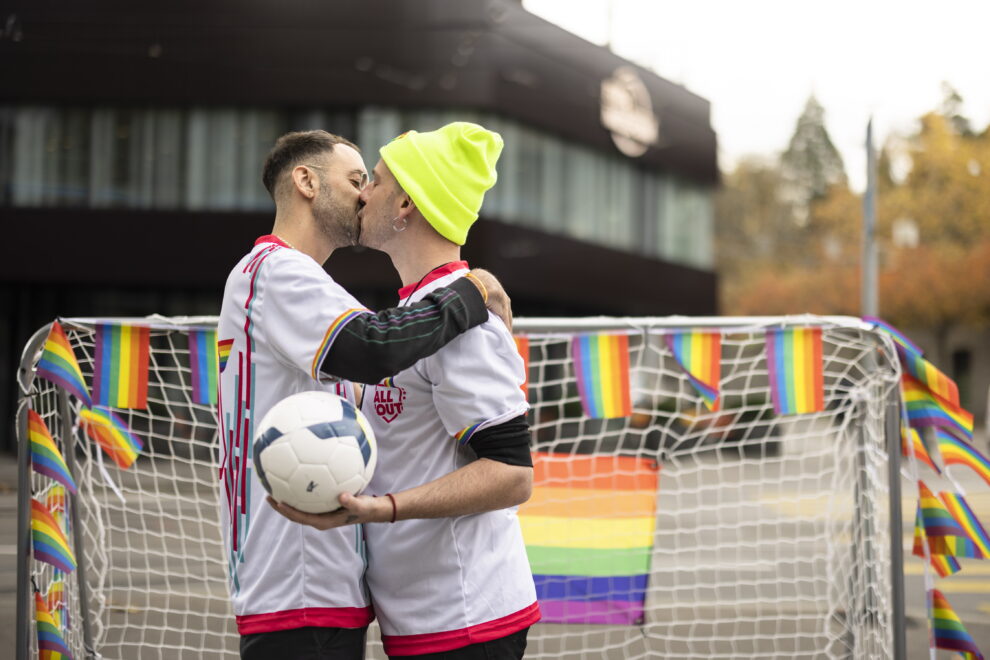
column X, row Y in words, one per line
column 758, row 61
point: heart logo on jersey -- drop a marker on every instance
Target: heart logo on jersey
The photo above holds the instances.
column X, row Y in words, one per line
column 389, row 402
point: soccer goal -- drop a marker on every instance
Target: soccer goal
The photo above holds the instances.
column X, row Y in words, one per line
column 704, row 488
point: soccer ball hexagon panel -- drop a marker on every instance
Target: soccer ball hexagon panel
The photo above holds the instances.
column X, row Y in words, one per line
column 311, row 447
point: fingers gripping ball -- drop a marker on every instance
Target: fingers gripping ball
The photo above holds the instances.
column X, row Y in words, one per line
column 311, row 447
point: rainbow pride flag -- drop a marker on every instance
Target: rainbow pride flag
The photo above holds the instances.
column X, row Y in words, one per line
column 950, row 633
column 925, row 373
column 944, row 534
column 48, row 539
column 204, row 366
column 46, row 459
column 911, row 443
column 925, row 408
column 699, row 354
column 57, row 601
column 58, row 364
column 589, row 530
column 51, row 644
column 797, row 375
column 522, row 345
column 120, row 366
column 58, row 506
column 959, row 452
column 960, row 510
column 601, row 365
column 111, row 433
column 899, row 337
column 944, row 565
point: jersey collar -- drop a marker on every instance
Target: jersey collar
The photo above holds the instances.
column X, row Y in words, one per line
column 433, row 275
column 272, row 238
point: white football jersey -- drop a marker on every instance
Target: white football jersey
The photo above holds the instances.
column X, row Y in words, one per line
column 440, row 584
column 279, row 316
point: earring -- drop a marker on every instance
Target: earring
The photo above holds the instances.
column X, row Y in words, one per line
column 395, row 224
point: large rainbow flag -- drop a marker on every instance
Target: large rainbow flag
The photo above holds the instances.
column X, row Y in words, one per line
column 204, row 366
column 111, row 433
column 797, row 376
column 48, row 539
column 589, row 530
column 58, row 364
column 51, row 644
column 925, row 408
column 601, row 365
column 699, row 354
column 45, row 457
column 950, row 633
column 120, row 366
column 959, row 452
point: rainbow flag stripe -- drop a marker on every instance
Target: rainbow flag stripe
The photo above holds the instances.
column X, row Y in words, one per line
column 959, row 452
column 589, row 529
column 464, row 435
column 950, row 633
column 223, row 352
column 48, row 539
column 120, row 366
column 911, row 442
column 699, row 354
column 961, row 511
column 944, row 565
column 797, row 380
column 57, row 601
column 51, row 644
column 522, row 345
column 925, row 408
column 112, row 434
column 899, row 337
column 331, row 334
column 57, row 504
column 601, row 365
column 944, row 534
column 925, row 373
column 58, row 364
column 46, row 459
column 204, row 366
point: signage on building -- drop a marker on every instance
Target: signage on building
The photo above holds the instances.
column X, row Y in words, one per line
column 627, row 112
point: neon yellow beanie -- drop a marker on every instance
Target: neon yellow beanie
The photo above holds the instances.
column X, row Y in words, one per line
column 446, row 172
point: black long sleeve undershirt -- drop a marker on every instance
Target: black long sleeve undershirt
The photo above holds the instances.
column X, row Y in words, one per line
column 374, row 346
column 507, row 442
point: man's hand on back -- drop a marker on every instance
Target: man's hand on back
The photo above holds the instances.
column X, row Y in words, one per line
column 498, row 300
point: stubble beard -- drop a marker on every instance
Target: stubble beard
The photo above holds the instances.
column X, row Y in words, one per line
column 337, row 222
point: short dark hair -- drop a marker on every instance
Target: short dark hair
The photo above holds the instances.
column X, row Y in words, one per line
column 294, row 147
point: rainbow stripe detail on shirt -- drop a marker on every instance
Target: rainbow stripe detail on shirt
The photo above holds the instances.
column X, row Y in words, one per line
column 588, row 529
column 331, row 334
column 58, row 364
column 112, row 434
column 699, row 354
column 601, row 366
column 120, row 366
column 797, row 375
column 223, row 352
column 464, row 435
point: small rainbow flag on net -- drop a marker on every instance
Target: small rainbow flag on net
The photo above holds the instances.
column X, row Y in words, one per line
column 112, row 434
column 58, row 364
column 959, row 452
column 699, row 354
column 925, row 408
column 204, row 366
column 899, row 337
column 51, row 644
column 601, row 365
column 944, row 565
column 58, row 506
column 925, row 373
column 960, row 510
column 797, row 379
column 45, row 457
column 120, row 366
column 48, row 539
column 57, row 601
column 522, row 345
column 944, row 534
column 950, row 633
column 588, row 530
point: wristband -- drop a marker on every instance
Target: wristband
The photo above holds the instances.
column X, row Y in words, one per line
column 484, row 291
column 394, row 509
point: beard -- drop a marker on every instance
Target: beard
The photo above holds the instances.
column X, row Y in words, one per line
column 337, row 221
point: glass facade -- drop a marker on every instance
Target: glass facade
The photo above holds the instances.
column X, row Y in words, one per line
column 210, row 159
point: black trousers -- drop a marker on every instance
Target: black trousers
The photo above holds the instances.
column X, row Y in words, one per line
column 305, row 644
column 510, row 647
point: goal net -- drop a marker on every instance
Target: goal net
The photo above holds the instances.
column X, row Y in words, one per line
column 704, row 488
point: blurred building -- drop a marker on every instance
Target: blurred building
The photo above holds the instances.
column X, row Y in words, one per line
column 132, row 138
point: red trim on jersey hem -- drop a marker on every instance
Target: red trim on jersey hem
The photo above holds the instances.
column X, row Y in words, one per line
column 455, row 639
column 433, row 275
column 272, row 238
column 323, row 617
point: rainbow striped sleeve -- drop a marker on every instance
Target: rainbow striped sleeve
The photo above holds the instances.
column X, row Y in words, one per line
column 48, row 539
column 949, row 631
column 58, row 364
column 797, row 376
column 45, row 457
column 601, row 365
column 522, row 345
column 961, row 511
column 51, row 644
column 204, row 365
column 111, row 433
column 464, row 435
column 911, row 443
column 589, row 529
column 699, row 354
column 120, row 366
column 959, row 452
column 331, row 334
column 925, row 408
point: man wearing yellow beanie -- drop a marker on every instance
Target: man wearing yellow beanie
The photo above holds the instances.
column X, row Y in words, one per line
column 447, row 568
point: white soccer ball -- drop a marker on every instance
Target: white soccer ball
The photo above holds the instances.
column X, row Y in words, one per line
column 311, row 447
